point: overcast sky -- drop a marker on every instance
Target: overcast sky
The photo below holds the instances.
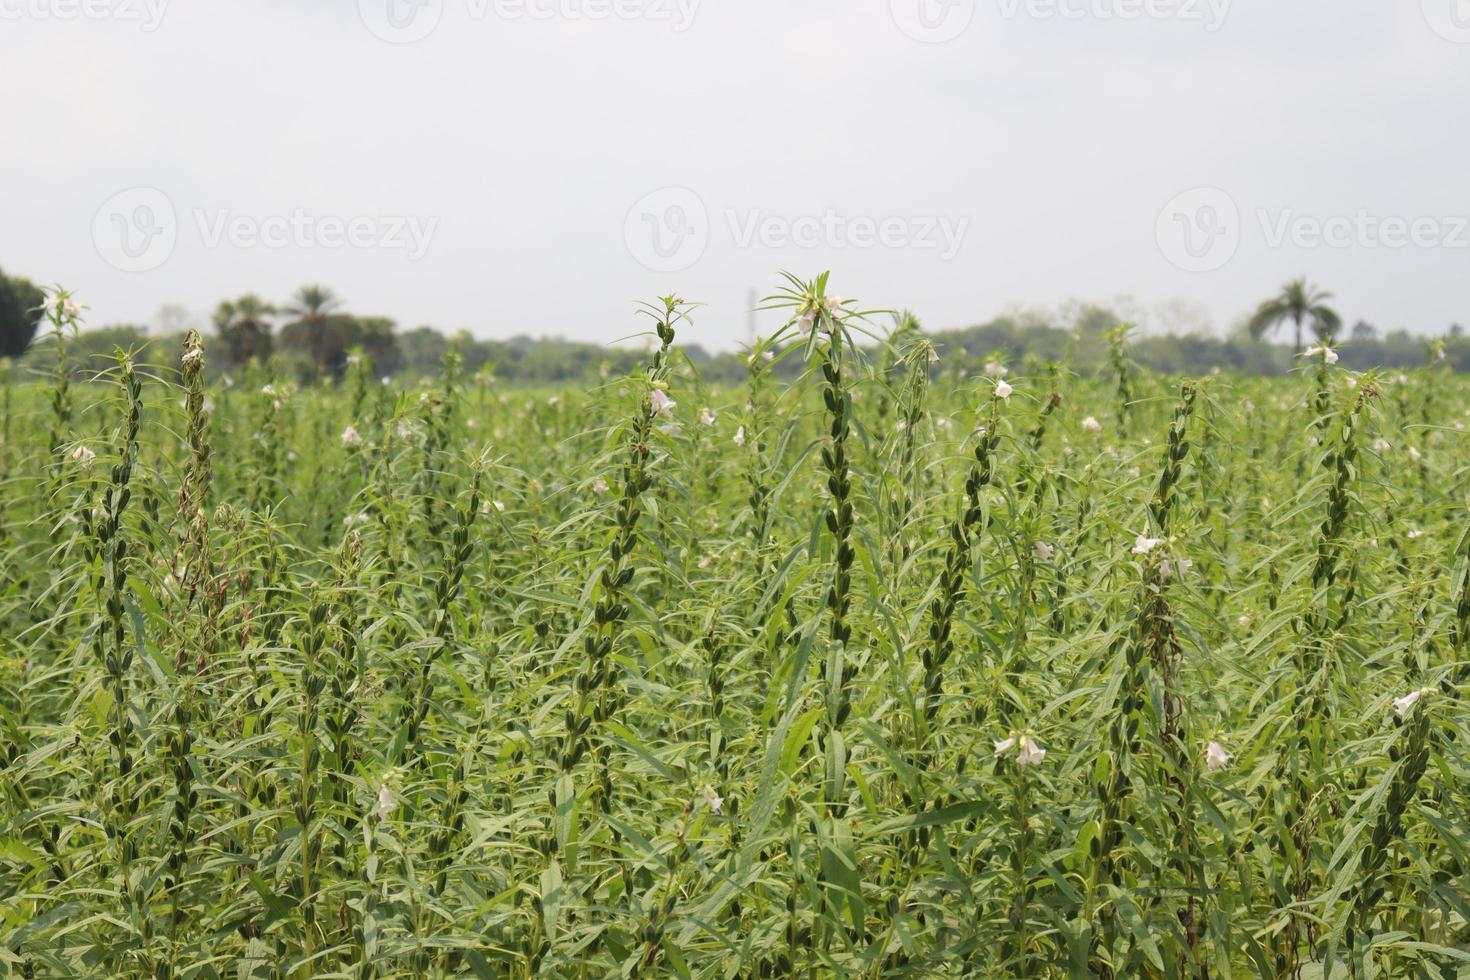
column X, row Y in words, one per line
column 539, row 166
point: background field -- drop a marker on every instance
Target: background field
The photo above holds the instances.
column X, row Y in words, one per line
column 371, row 680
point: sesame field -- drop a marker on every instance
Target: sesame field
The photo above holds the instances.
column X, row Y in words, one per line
column 891, row 661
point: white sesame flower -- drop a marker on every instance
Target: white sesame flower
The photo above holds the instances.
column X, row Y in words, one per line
column 1244, row 620
column 1030, row 753
column 706, row 417
column 351, row 437
column 1135, row 472
column 933, row 356
column 1415, row 454
column 1415, row 534
column 1171, row 567
column 499, row 506
column 1402, row 706
column 995, row 369
column 1328, row 354
column 1003, row 390
column 1043, row 551
column 83, row 456
column 1145, row 544
column 833, row 320
column 386, row 802
column 1381, row 446
column 554, row 400
column 63, row 304
column 1091, row 424
column 660, row 403
column 715, row 801
column 806, row 321
column 361, row 517
column 193, row 355
column 740, row 436
column 599, row 486
column 353, row 360
column 1216, row 758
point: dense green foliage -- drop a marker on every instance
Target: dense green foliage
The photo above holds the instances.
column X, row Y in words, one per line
column 19, row 300
column 881, row 671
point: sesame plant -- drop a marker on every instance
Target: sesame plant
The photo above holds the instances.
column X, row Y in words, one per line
column 887, row 661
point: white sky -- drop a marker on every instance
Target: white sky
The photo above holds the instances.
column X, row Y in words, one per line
column 1051, row 133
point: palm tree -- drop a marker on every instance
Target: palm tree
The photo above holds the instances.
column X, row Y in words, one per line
column 313, row 304
column 1298, row 303
column 317, row 330
column 244, row 328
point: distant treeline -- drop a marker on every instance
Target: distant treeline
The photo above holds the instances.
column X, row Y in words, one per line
column 312, row 336
column 550, row 361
